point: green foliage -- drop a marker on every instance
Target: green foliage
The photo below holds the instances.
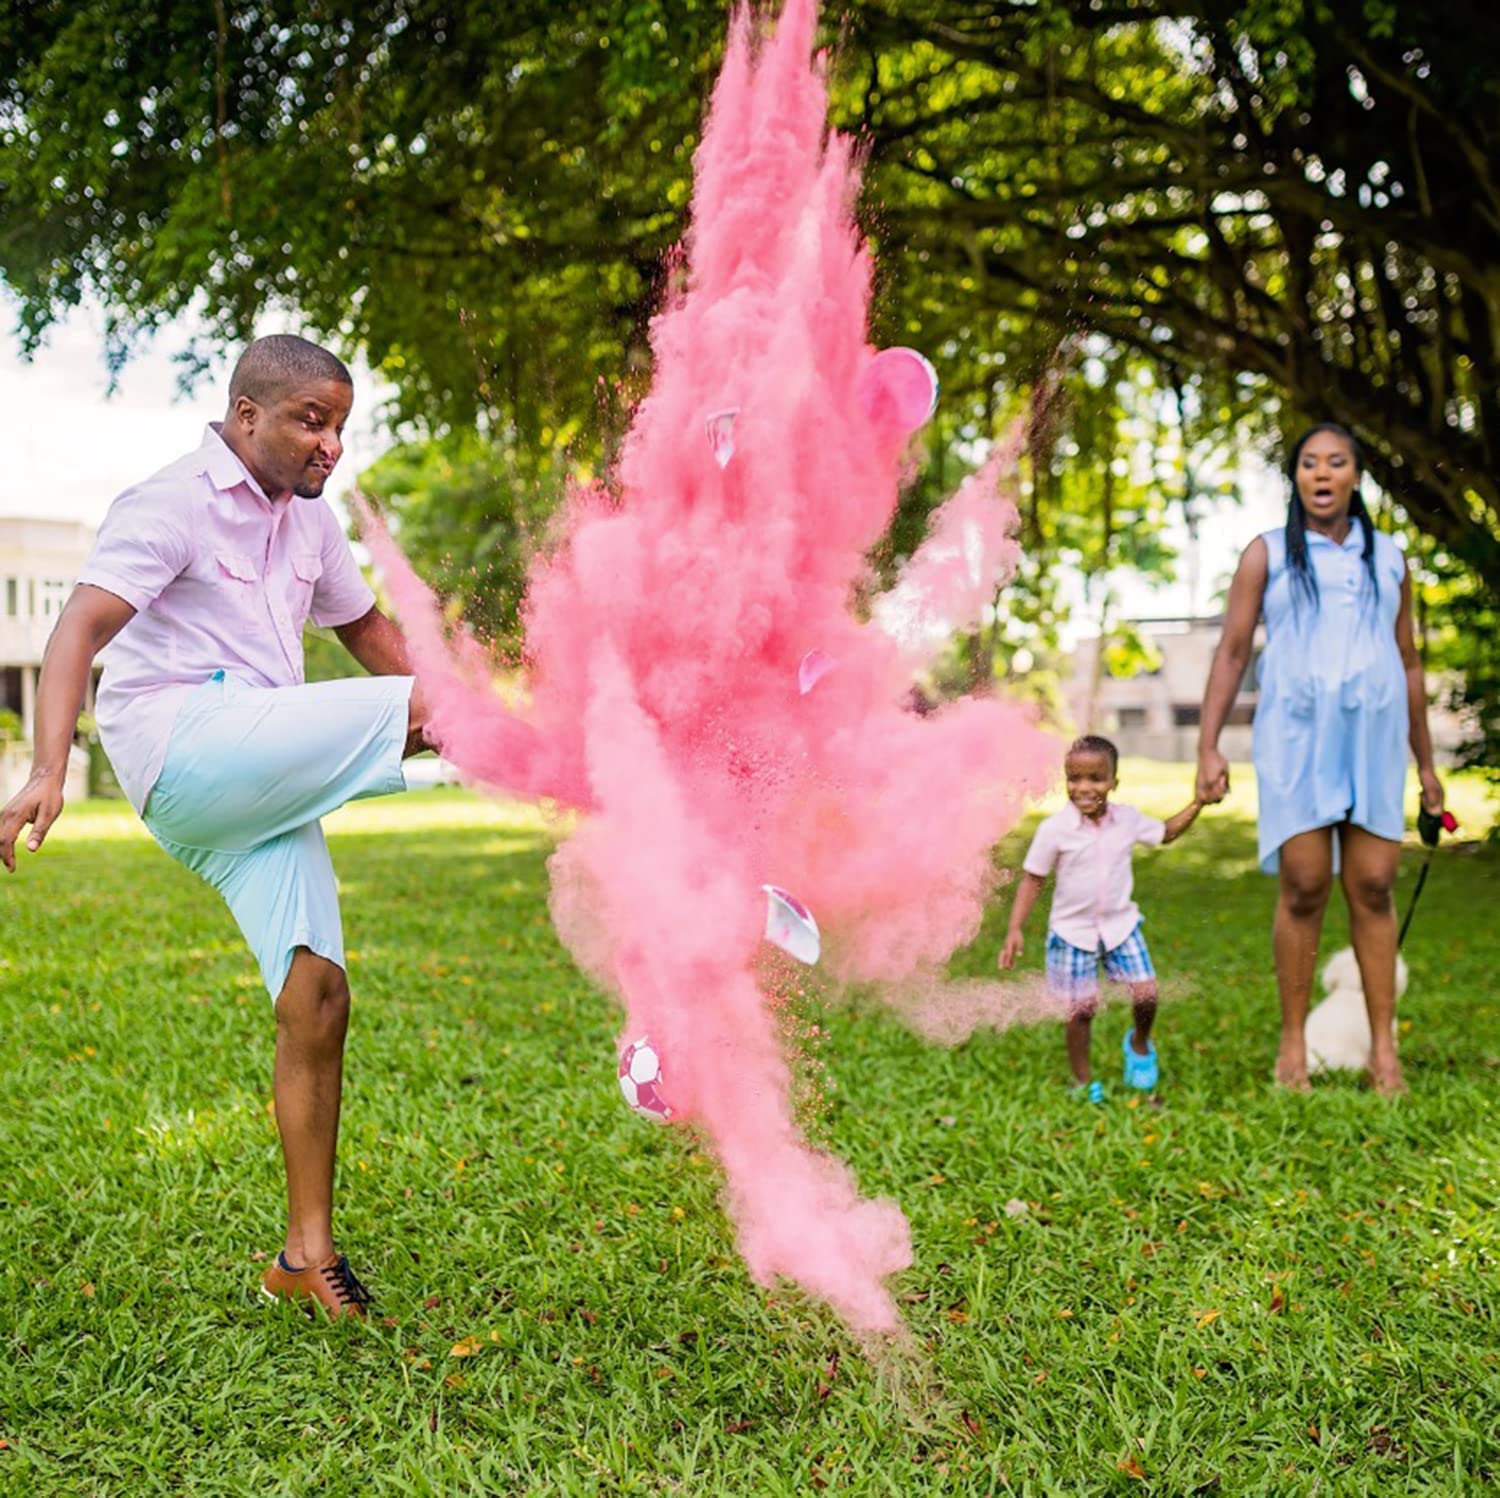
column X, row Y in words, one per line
column 1294, row 1291
column 12, row 731
column 469, row 513
column 1283, row 210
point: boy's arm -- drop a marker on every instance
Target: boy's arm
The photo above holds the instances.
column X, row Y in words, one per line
column 1180, row 821
column 1026, row 897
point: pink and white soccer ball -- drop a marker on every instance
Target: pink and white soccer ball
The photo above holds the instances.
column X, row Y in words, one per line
column 641, row 1080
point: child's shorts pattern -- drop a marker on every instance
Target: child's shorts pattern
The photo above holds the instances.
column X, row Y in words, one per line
column 1073, row 973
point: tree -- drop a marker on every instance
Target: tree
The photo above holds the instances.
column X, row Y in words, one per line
column 1284, row 208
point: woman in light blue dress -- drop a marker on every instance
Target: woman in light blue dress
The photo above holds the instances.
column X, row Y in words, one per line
column 1342, row 695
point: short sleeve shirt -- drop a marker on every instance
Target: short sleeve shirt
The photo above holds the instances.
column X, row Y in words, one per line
column 221, row 579
column 1091, row 900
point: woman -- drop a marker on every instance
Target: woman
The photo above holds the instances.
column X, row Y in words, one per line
column 1341, row 694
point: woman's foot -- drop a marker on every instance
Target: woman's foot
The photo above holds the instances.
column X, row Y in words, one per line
column 1386, row 1078
column 1291, row 1073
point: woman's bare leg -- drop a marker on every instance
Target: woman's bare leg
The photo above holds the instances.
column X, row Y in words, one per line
column 1306, row 878
column 1368, row 875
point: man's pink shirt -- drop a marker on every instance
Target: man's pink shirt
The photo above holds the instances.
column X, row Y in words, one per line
column 1091, row 901
column 221, row 579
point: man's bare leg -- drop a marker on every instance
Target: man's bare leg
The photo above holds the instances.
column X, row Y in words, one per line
column 1306, row 878
column 312, row 1016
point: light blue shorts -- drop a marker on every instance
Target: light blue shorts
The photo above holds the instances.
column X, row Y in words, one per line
column 248, row 773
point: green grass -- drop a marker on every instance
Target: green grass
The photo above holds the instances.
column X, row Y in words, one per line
column 1238, row 1291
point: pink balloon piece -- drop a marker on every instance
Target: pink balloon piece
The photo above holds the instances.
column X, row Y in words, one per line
column 720, row 428
column 899, row 385
column 790, row 926
column 815, row 666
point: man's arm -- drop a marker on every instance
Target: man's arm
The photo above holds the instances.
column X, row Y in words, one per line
column 91, row 619
column 376, row 643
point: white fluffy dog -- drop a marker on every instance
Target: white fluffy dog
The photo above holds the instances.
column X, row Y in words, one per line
column 1338, row 1030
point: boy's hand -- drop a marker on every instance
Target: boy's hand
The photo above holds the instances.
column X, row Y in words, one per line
column 1015, row 944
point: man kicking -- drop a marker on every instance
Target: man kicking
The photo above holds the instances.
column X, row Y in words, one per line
column 200, row 583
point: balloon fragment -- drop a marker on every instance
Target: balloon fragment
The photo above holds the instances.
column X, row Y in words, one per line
column 899, row 386
column 719, row 426
column 813, row 668
column 790, row 926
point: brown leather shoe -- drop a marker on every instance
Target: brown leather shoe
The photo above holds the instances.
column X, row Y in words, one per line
column 330, row 1284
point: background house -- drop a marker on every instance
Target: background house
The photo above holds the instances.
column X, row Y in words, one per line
column 39, row 562
column 1155, row 714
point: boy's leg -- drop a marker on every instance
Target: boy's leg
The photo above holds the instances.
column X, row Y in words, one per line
column 1130, row 964
column 1079, row 1032
column 1143, row 1010
column 312, row 1016
column 1073, row 979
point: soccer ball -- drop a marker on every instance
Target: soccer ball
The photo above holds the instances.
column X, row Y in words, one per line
column 641, row 1080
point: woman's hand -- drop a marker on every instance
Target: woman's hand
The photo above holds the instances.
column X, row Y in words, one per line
column 1432, row 791
column 1213, row 777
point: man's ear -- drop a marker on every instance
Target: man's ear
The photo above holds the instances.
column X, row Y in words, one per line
column 245, row 413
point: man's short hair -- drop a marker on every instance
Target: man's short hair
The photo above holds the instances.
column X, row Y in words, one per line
column 1092, row 743
column 270, row 365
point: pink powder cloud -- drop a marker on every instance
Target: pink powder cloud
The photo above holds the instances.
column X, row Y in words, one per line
column 665, row 631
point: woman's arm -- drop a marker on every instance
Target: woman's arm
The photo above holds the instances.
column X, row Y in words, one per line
column 1230, row 659
column 1416, row 703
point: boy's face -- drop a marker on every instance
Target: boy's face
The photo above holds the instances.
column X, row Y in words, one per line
column 1090, row 780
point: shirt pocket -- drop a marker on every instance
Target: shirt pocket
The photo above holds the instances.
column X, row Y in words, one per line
column 307, row 568
column 237, row 583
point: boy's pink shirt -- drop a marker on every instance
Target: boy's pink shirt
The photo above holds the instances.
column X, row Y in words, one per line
column 1091, row 900
column 221, row 579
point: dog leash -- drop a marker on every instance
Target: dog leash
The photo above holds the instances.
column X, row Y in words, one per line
column 1429, row 827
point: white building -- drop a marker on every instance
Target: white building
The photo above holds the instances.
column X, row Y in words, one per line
column 39, row 562
column 1155, row 714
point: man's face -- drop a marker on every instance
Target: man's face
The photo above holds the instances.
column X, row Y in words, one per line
column 292, row 443
column 1090, row 780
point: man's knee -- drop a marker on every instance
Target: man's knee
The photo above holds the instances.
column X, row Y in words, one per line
column 315, row 998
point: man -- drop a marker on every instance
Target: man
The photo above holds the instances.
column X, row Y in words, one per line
column 200, row 583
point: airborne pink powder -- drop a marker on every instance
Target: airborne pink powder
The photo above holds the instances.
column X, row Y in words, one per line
column 664, row 635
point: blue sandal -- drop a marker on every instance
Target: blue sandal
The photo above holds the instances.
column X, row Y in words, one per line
column 1141, row 1072
column 1090, row 1092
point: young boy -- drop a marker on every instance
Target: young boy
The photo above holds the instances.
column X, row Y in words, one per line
column 1088, row 845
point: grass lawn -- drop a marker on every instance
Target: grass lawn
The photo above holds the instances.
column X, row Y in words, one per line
column 1235, row 1291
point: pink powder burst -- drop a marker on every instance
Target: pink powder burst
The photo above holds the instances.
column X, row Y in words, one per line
column 668, row 632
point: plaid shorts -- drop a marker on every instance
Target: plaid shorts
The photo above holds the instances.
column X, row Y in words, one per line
column 1073, row 973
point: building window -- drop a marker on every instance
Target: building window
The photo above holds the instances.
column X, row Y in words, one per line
column 1241, row 715
column 1185, row 714
column 1130, row 717
column 54, row 596
column 12, row 598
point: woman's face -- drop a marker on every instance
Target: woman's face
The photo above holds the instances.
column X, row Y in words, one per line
column 1326, row 476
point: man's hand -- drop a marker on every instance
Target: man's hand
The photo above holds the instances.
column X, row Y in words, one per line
column 37, row 804
column 1015, row 944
